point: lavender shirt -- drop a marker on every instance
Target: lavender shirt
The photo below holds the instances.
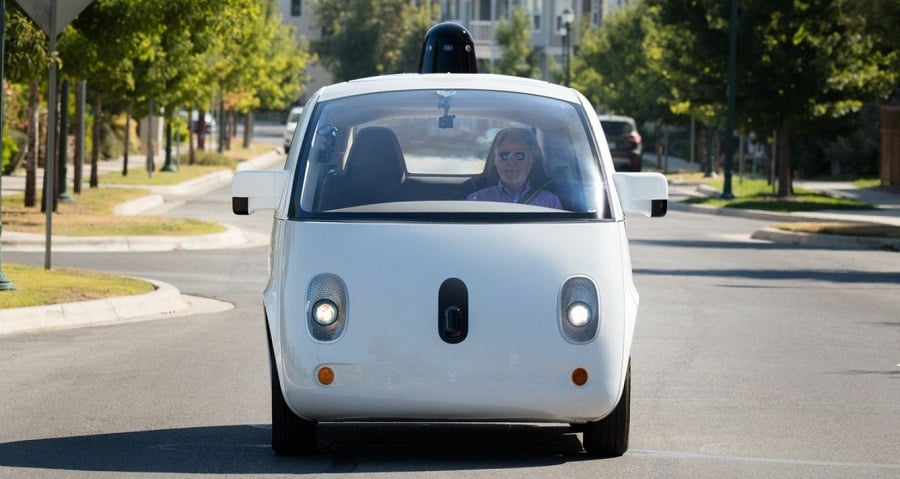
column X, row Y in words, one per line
column 500, row 193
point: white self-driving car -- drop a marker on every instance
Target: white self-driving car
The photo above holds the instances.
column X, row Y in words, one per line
column 411, row 281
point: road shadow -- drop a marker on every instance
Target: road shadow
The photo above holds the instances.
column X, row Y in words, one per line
column 346, row 447
column 741, row 245
column 831, row 276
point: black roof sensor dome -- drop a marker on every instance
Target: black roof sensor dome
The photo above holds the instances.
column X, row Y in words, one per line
column 448, row 48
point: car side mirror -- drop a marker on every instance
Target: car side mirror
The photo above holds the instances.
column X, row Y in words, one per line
column 643, row 193
column 256, row 190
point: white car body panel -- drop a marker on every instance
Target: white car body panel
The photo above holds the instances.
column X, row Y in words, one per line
column 514, row 365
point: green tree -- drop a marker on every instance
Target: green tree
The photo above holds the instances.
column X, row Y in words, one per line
column 183, row 53
column 370, row 37
column 614, row 66
column 266, row 67
column 416, row 22
column 27, row 59
column 518, row 57
column 798, row 62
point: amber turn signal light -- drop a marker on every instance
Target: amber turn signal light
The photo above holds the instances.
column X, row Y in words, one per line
column 579, row 376
column 325, row 376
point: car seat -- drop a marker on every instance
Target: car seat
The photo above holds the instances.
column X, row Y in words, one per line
column 374, row 172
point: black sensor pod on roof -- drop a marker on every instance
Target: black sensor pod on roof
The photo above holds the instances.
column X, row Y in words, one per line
column 448, row 48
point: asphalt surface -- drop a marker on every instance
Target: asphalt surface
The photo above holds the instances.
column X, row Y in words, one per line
column 166, row 301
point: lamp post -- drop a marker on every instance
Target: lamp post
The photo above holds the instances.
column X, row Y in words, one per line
column 567, row 17
column 727, row 192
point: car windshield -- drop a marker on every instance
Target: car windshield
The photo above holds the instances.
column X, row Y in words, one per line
column 616, row 128
column 438, row 152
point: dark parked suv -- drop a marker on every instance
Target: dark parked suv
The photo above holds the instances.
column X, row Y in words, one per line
column 624, row 141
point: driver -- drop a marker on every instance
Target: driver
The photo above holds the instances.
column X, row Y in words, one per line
column 514, row 153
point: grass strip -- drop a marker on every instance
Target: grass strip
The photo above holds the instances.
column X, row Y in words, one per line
column 37, row 286
column 756, row 194
column 91, row 215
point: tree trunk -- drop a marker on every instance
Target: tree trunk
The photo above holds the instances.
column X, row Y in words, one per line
column 48, row 188
column 78, row 162
column 785, row 184
column 97, row 145
column 192, row 155
column 717, row 152
column 127, row 141
column 229, row 132
column 201, row 129
column 248, row 128
column 34, row 145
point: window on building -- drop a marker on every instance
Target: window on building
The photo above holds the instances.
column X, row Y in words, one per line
column 533, row 7
column 596, row 13
column 296, row 8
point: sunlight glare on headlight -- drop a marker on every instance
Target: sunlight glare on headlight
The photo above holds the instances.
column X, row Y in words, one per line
column 325, row 312
column 578, row 314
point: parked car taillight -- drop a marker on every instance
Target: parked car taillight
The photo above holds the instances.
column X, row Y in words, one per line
column 634, row 138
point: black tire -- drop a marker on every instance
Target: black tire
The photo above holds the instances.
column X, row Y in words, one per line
column 608, row 437
column 291, row 434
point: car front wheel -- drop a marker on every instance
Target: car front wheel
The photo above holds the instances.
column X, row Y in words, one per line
column 608, row 437
column 291, row 434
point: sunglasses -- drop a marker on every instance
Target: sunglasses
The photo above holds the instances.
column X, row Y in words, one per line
column 518, row 155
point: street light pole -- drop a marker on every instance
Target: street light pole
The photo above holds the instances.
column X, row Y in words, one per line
column 567, row 17
column 727, row 192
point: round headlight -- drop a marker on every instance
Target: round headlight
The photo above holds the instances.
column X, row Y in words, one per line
column 325, row 312
column 578, row 314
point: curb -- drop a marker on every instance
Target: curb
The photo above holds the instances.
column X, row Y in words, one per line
column 164, row 301
column 232, row 237
column 792, row 237
column 829, row 241
column 138, row 205
column 193, row 188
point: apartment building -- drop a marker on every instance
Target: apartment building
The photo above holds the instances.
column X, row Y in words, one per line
column 479, row 17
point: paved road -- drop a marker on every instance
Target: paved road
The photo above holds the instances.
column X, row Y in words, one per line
column 750, row 360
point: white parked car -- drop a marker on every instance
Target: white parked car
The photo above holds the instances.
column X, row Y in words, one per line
column 291, row 125
column 450, row 247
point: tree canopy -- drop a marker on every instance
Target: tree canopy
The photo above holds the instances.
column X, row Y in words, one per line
column 518, row 57
column 177, row 52
column 797, row 63
column 371, row 37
